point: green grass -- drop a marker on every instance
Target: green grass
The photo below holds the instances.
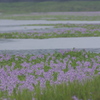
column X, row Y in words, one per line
column 89, row 91
column 64, row 92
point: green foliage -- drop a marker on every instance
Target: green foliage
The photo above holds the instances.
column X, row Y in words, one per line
column 21, row 77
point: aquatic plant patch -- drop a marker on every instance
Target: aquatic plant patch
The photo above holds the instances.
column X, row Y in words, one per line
column 64, row 75
column 68, row 25
column 71, row 31
column 87, row 26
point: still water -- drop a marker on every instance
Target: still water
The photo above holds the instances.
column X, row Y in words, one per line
column 90, row 43
column 27, row 46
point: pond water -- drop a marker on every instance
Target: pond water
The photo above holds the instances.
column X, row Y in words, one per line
column 21, row 28
column 14, row 46
column 53, row 43
column 25, row 22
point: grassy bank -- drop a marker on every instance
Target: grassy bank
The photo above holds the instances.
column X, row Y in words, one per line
column 28, row 7
column 63, row 75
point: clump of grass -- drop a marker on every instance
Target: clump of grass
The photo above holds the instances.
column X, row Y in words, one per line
column 88, row 90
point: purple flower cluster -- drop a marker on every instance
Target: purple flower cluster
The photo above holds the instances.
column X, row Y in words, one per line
column 6, row 57
column 57, row 71
column 65, row 31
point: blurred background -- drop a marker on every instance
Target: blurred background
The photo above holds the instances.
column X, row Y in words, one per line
column 29, row 6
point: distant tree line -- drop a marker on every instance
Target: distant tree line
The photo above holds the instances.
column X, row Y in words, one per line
column 41, row 0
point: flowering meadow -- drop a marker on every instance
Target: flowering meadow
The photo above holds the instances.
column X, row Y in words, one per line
column 70, row 30
column 63, row 75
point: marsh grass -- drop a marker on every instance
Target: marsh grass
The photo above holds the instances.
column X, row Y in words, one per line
column 45, row 35
column 88, row 26
column 66, row 92
column 88, row 89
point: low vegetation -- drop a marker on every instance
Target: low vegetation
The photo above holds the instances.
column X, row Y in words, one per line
column 67, row 30
column 63, row 75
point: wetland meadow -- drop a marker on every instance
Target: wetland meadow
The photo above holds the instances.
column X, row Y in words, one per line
column 60, row 75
